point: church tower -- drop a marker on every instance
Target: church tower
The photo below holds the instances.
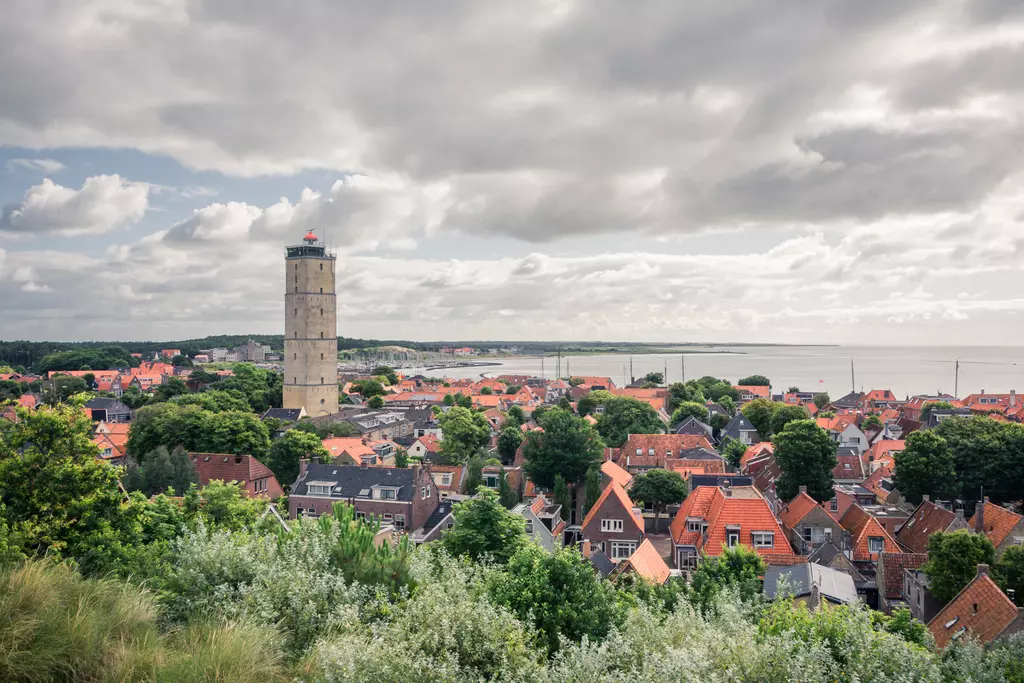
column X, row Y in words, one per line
column 310, row 329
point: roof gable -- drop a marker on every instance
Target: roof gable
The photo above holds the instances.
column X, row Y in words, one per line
column 980, row 609
column 999, row 522
column 613, row 502
column 925, row 521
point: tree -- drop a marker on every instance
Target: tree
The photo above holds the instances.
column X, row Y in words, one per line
column 515, row 417
column 732, row 450
column 483, row 528
column 11, row 390
column 474, row 474
column 512, row 389
column 375, row 402
column 821, row 400
column 197, row 430
column 591, row 489
column 714, row 388
column 339, row 429
column 568, row 446
column 987, row 455
column 755, row 381
column 784, row 414
column 738, row 566
column 585, row 405
column 486, row 391
column 386, row 372
column 262, row 388
column 871, row 422
column 727, row 404
column 690, row 409
column 507, row 495
column 61, row 388
column 368, row 388
column 926, row 411
column 558, row 594
column 760, row 412
column 806, row 455
column 465, row 433
column 448, row 400
column 925, row 466
column 174, row 386
column 623, row 416
column 655, row 378
column 224, row 505
column 163, row 470
column 180, row 361
column 679, row 392
column 1010, row 569
column 562, row 496
column 289, row 449
column 658, row 489
column 214, row 400
column 792, row 390
column 717, row 422
column 401, row 458
column 464, row 400
column 953, row 559
column 564, row 403
column 509, row 440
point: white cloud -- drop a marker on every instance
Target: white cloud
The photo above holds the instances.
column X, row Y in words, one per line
column 104, row 203
column 49, row 166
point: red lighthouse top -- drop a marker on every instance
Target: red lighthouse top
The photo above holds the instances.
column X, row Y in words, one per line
column 310, row 237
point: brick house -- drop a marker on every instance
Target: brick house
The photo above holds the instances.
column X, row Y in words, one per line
column 642, row 452
column 891, row 580
column 614, row 525
column 402, row 496
column 256, row 478
column 807, row 524
column 928, row 518
column 1003, row 528
column 980, row 610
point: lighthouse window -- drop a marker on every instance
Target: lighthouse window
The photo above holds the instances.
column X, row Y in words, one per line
column 321, row 290
column 321, row 311
column 321, row 380
column 321, row 266
column 321, row 356
column 295, row 356
column 321, row 335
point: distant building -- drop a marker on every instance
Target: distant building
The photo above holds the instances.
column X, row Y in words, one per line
column 256, row 478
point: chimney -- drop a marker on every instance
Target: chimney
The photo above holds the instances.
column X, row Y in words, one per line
column 982, row 392
column 1013, row 398
column 983, row 570
column 585, row 547
column 303, row 464
column 960, row 515
column 926, row 498
column 803, row 489
column 979, row 516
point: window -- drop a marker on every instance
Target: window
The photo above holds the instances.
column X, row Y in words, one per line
column 399, row 521
column 312, row 511
column 296, row 311
column 321, row 266
column 763, row 539
column 446, row 480
column 321, row 290
column 833, row 505
column 650, row 452
column 321, row 335
column 321, row 380
column 854, row 439
column 693, row 524
column 639, row 451
column 387, row 516
column 875, row 544
column 423, row 492
column 360, row 515
column 295, row 356
column 323, row 401
column 321, row 356
column 611, row 525
column 321, row 311
column 384, row 494
column 621, row 550
column 732, row 538
column 529, row 526
column 318, row 489
column 449, row 525
column 491, row 481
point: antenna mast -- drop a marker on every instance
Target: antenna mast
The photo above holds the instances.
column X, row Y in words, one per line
column 956, row 380
column 853, row 380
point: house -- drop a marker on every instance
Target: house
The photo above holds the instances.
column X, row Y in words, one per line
column 980, row 610
column 983, row 403
column 646, row 563
column 112, row 449
column 739, row 428
column 749, row 393
column 108, row 410
column 877, row 400
column 891, row 517
column 712, row 518
column 1003, row 528
column 169, row 353
column 543, row 522
column 844, row 432
column 439, row 521
column 846, row 495
column 350, row 450
column 402, row 496
column 285, row 416
column 882, row 454
column 426, row 447
column 692, row 425
column 809, row 584
column 868, row 537
column 913, row 408
column 926, row 519
column 642, row 452
column 449, row 479
column 610, row 472
column 256, row 478
column 756, row 451
column 807, row 524
column 880, row 483
column 916, row 594
column 889, row 576
column 614, row 525
column 849, row 469
column 851, row 401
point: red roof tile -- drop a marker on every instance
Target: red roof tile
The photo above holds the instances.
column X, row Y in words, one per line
column 893, row 566
column 980, row 609
column 862, row 527
column 796, row 510
column 616, row 492
column 646, row 562
column 616, row 474
column 926, row 520
column 999, row 522
column 744, row 507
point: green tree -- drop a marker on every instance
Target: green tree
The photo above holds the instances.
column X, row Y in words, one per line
column 61, row 388
column 658, row 489
column 214, row 400
column 474, row 474
column 375, row 402
column 926, row 411
column 465, row 433
column 784, row 414
column 717, row 422
column 568, row 446
column 224, row 505
column 368, row 388
column 760, row 412
column 162, row 470
column 10, row 390
column 732, row 450
column 591, row 489
column 386, row 372
column 174, row 386
column 448, row 400
column 755, row 381
column 562, row 496
column 287, row 451
column 987, row 455
column 871, row 422
column 655, row 378
column 925, row 466
column 509, row 440
column 515, row 417
column 197, row 430
column 464, row 400
column 237, row 433
column 821, row 400
column 262, row 388
column 558, row 593
column 806, row 455
column 714, row 388
column 512, row 389
column 690, row 409
column 792, row 390
column 739, row 566
column 727, row 403
column 483, row 528
column 623, row 416
column 586, row 405
column 1010, row 569
column 486, row 391
column 507, row 495
column 339, row 429
column 181, row 362
column 401, row 458
column 679, row 393
column 953, row 559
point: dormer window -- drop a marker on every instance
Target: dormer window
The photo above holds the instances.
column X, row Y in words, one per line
column 694, row 524
column 875, row 544
column 650, row 451
column 611, row 525
column 732, row 535
column 639, row 451
column 763, row 539
column 385, row 493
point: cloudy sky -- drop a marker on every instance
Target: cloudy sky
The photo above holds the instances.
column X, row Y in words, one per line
column 844, row 172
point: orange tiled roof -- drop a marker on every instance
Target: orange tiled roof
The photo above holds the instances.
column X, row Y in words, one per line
column 874, row 482
column 980, row 609
column 882, row 452
column 756, row 450
column 999, row 522
column 797, row 509
column 28, row 401
column 758, row 391
column 613, row 490
column 745, row 507
column 664, row 446
column 646, row 562
column 616, row 474
column 704, row 465
column 834, row 424
column 353, row 445
column 863, row 526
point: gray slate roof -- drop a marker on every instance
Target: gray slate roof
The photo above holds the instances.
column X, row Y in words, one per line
column 357, row 482
column 833, row 585
column 283, row 414
column 739, row 424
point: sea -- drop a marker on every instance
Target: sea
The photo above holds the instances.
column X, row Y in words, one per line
column 905, row 370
